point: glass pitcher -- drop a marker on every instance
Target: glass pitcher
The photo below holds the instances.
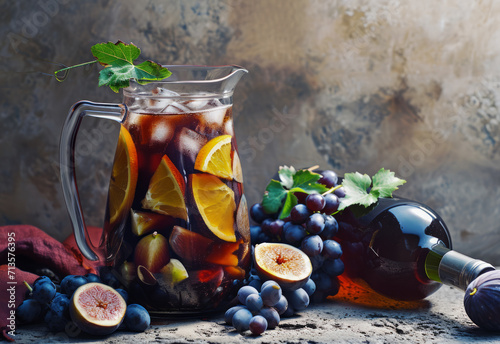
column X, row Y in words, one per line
column 176, row 230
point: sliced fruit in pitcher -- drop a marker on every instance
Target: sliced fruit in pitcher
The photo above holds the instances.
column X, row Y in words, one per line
column 237, row 171
column 215, row 157
column 174, row 272
column 128, row 271
column 242, row 220
column 224, row 253
column 144, row 222
column 214, row 275
column 235, row 272
column 166, row 191
column 189, row 245
column 152, row 252
column 123, row 177
column 215, row 202
column 146, row 276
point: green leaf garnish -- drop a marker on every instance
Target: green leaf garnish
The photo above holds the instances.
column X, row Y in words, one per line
column 362, row 190
column 118, row 59
column 279, row 195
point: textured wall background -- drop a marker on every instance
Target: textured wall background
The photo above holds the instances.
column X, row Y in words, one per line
column 356, row 85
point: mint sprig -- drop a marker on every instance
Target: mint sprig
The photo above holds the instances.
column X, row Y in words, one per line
column 118, row 59
column 362, row 190
column 280, row 195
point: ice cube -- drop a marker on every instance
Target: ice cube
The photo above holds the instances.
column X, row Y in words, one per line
column 228, row 127
column 157, row 105
column 176, row 107
column 197, row 105
column 162, row 132
column 211, row 122
column 133, row 118
column 189, row 143
column 162, row 99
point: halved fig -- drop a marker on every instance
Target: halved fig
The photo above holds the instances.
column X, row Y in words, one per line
column 283, row 263
column 97, row 309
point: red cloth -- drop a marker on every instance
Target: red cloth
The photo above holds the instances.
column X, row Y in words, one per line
column 23, row 249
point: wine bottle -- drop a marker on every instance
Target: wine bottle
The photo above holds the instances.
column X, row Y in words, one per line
column 402, row 249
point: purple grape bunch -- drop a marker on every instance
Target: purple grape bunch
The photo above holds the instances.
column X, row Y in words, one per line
column 262, row 305
column 310, row 227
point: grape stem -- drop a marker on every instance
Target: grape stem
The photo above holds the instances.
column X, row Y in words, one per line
column 71, row 67
column 28, row 286
column 331, row 190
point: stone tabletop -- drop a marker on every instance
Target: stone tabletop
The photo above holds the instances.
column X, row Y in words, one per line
column 353, row 316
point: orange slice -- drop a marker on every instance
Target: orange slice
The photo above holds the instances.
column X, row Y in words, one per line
column 123, row 177
column 237, row 171
column 215, row 157
column 215, row 202
column 166, row 191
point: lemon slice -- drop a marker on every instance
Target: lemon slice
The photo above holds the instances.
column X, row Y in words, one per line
column 215, row 202
column 166, row 190
column 123, row 177
column 215, row 157
column 283, row 263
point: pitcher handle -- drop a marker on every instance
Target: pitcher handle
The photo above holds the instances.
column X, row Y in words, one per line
column 79, row 110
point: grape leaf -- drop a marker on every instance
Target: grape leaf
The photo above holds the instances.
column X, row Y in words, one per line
column 286, row 176
column 118, row 58
column 385, row 182
column 361, row 190
column 306, row 180
column 280, row 195
column 356, row 188
column 273, row 197
column 290, row 202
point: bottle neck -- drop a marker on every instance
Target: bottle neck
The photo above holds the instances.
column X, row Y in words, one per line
column 452, row 268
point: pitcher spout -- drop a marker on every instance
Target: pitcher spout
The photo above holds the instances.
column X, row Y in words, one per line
column 233, row 78
column 191, row 81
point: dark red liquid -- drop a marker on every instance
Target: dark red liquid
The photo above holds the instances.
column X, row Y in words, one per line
column 213, row 266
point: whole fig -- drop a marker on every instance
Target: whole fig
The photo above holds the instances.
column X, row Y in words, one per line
column 482, row 301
